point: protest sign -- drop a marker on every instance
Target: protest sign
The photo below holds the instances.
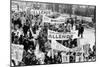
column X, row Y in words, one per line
column 86, row 49
column 17, row 52
column 14, row 8
column 65, row 58
column 61, row 36
column 40, row 12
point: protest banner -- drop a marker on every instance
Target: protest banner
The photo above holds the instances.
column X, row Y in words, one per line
column 40, row 12
column 61, row 36
column 17, row 52
column 77, row 49
column 58, row 20
column 46, row 19
column 89, row 19
column 57, row 46
column 65, row 15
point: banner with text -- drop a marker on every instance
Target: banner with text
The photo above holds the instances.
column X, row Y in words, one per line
column 40, row 12
column 58, row 20
column 61, row 36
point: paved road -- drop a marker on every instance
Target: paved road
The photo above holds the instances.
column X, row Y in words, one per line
column 88, row 37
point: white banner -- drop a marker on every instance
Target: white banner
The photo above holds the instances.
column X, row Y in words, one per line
column 78, row 49
column 89, row 19
column 65, row 15
column 61, row 36
column 46, row 19
column 17, row 52
column 57, row 46
column 58, row 20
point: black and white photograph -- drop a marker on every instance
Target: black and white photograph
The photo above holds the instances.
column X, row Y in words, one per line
column 46, row 33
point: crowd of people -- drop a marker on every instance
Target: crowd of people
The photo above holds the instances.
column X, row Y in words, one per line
column 29, row 30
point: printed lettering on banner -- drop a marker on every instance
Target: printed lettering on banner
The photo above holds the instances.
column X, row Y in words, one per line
column 42, row 12
column 61, row 36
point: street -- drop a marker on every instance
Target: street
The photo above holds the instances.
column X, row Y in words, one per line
column 88, row 37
